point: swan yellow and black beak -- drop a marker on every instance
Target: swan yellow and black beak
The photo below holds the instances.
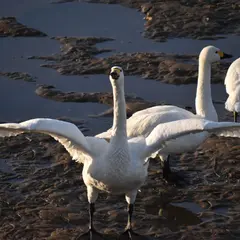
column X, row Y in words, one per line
column 224, row 55
column 115, row 73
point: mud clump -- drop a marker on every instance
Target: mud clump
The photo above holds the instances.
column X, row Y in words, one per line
column 192, row 19
column 9, row 26
column 133, row 103
column 19, row 76
column 78, row 56
column 42, row 191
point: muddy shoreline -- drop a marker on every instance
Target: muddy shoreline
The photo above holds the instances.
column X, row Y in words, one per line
column 42, row 194
column 79, row 57
column 175, row 19
column 9, row 26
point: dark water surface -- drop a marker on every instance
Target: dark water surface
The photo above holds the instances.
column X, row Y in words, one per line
column 82, row 19
column 19, row 101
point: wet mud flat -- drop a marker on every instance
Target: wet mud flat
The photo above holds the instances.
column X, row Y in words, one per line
column 9, row 26
column 80, row 56
column 43, row 195
column 193, row 19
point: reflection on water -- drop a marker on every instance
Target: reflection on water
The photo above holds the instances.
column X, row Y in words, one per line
column 5, row 167
column 126, row 25
column 177, row 216
column 172, row 214
column 178, row 45
column 21, row 103
column 70, row 19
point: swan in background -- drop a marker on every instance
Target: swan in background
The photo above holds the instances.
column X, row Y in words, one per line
column 143, row 122
column 232, row 82
column 119, row 166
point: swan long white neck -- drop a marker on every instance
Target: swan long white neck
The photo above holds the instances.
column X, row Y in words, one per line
column 203, row 102
column 119, row 117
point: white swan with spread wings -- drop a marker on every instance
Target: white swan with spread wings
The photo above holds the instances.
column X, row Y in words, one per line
column 119, row 166
column 143, row 122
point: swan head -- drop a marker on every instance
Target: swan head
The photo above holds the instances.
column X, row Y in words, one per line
column 116, row 76
column 212, row 54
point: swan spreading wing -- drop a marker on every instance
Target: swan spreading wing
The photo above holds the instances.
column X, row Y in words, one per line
column 143, row 122
column 232, row 83
column 79, row 146
column 232, row 79
column 64, row 132
column 172, row 130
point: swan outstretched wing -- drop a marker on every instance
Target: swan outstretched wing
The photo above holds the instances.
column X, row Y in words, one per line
column 64, row 132
column 105, row 135
column 232, row 83
column 172, row 130
column 232, row 79
column 143, row 122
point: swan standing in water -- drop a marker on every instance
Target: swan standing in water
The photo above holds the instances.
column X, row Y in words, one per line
column 232, row 82
column 143, row 122
column 119, row 166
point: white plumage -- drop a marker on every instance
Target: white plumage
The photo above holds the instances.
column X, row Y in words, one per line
column 118, row 166
column 143, row 122
column 232, row 83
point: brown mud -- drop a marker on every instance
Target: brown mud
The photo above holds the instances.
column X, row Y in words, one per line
column 79, row 56
column 183, row 18
column 43, row 195
column 19, row 76
column 133, row 104
column 9, row 26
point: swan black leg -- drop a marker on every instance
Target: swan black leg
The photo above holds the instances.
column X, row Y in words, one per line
column 129, row 232
column 91, row 231
column 235, row 115
column 171, row 177
column 166, row 168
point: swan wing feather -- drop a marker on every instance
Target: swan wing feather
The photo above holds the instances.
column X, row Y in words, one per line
column 64, row 132
column 172, row 130
column 143, row 122
column 232, row 79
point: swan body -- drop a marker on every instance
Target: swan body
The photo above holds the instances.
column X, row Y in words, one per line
column 143, row 122
column 232, row 83
column 120, row 165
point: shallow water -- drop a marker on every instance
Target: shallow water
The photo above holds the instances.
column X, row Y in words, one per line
column 54, row 20
column 5, row 167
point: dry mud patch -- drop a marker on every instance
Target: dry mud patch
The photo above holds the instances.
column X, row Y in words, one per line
column 79, row 56
column 43, row 195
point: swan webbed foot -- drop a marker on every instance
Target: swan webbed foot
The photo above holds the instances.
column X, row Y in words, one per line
column 129, row 234
column 91, row 234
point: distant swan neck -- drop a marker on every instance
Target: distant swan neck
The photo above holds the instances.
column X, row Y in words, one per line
column 119, row 114
column 203, row 102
